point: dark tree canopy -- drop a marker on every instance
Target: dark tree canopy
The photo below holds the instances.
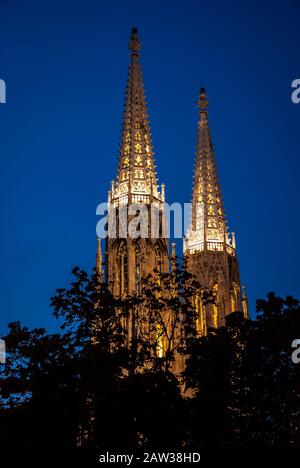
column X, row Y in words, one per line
column 86, row 387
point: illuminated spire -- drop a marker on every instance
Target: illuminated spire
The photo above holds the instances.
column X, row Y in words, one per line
column 245, row 302
column 136, row 178
column 99, row 259
column 208, row 230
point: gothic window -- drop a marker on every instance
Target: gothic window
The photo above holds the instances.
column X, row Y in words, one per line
column 126, row 149
column 127, row 138
column 211, row 211
column 215, row 307
column 210, row 199
column 137, row 270
column 138, row 148
column 200, row 315
column 159, row 341
column 148, row 162
column 123, row 271
column 138, row 161
column 120, row 275
column 232, row 303
column 124, row 187
column 137, row 136
column 147, row 149
column 234, row 298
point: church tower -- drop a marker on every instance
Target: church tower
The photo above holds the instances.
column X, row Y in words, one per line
column 209, row 249
column 129, row 258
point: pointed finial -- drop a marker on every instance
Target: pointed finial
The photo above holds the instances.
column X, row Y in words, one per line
column 134, row 42
column 99, row 257
column 112, row 184
column 163, row 192
column 202, row 101
column 173, row 249
column 245, row 302
column 233, row 243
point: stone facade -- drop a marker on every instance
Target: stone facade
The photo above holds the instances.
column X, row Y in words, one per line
column 209, row 249
column 129, row 259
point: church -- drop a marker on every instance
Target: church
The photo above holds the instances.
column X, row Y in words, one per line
column 208, row 247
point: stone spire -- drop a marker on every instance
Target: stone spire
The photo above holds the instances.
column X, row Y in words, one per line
column 129, row 259
column 208, row 230
column 210, row 253
column 136, row 178
column 99, row 259
column 245, row 302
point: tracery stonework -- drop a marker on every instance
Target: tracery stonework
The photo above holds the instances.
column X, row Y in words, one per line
column 128, row 260
column 209, row 249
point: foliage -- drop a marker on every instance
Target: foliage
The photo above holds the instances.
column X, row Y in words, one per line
column 93, row 385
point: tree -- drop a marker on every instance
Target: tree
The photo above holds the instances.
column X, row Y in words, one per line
column 245, row 384
column 95, row 385
column 74, row 380
column 38, row 387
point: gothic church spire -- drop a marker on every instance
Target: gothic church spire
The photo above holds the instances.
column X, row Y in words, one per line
column 136, row 178
column 208, row 230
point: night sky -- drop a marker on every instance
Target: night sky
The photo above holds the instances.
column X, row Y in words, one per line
column 65, row 66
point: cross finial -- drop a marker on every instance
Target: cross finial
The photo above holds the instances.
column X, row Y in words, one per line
column 134, row 42
column 202, row 101
column 173, row 249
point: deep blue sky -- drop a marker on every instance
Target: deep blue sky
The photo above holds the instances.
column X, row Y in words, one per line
column 65, row 65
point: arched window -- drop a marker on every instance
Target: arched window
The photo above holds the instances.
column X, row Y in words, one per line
column 123, row 271
column 215, row 307
column 234, row 298
column 200, row 322
column 232, row 303
column 159, row 341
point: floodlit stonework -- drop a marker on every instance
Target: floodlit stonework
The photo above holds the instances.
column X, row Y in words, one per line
column 128, row 260
column 209, row 249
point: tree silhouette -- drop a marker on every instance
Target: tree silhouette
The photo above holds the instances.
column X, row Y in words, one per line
column 245, row 384
column 96, row 385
